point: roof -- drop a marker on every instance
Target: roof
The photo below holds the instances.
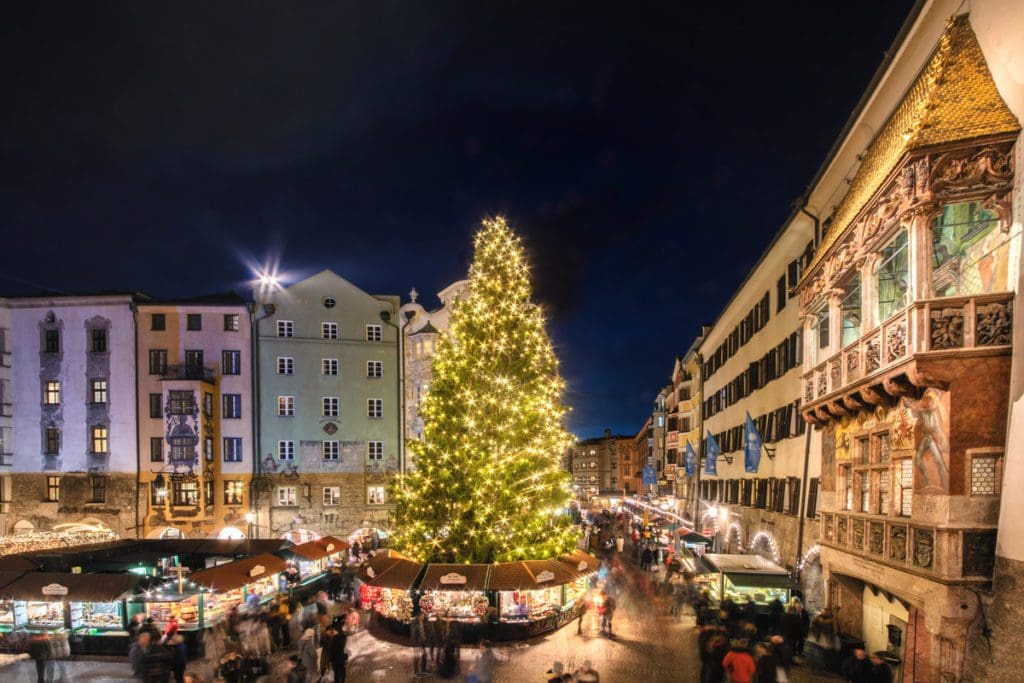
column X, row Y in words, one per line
column 953, row 98
column 580, row 563
column 390, row 570
column 225, row 577
column 216, row 299
column 470, row 577
column 80, row 587
column 426, row 329
column 746, row 564
column 318, row 549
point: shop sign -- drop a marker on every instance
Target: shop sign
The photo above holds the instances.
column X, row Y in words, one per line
column 545, row 576
column 582, row 566
column 453, row 578
column 369, row 572
column 330, row 547
column 257, row 570
column 55, row 589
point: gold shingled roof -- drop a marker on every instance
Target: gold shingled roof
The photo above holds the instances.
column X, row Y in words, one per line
column 954, row 98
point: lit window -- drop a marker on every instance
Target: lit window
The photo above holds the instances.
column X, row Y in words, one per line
column 232, row 406
column 375, row 495
column 231, row 322
column 330, row 406
column 285, row 450
column 906, row 487
column 286, row 495
column 375, row 450
column 99, row 391
column 231, row 362
column 329, row 330
column 329, row 366
column 375, row 408
column 374, row 368
column 99, row 439
column 374, row 333
column 893, row 277
column 984, row 475
column 883, row 492
column 331, row 450
column 285, row 365
column 182, row 402
column 332, row 495
column 285, row 328
column 969, row 254
column 51, row 393
column 286, row 406
column 233, row 492
column 185, row 493
column 52, row 489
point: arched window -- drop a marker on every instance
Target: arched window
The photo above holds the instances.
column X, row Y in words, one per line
column 970, row 255
column 893, row 277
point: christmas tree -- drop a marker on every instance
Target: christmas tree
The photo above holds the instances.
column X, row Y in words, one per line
column 487, row 486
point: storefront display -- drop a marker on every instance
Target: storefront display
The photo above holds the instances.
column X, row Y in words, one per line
column 251, row 579
column 184, row 607
column 44, row 615
column 739, row 577
column 530, row 604
column 6, row 615
column 97, row 616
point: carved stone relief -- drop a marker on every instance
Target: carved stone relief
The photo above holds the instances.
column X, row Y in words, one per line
column 841, row 525
column 947, row 329
column 924, row 545
column 898, row 543
column 876, row 538
column 994, row 324
column 858, row 533
column 872, row 355
column 896, row 342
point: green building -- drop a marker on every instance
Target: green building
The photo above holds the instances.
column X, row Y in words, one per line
column 328, row 408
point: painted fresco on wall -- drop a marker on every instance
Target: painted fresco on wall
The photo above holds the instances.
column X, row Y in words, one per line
column 931, row 436
column 828, row 460
column 350, row 457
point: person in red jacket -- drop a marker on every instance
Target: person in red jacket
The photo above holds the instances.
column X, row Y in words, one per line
column 739, row 664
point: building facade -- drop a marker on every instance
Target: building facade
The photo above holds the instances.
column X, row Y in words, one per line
column 329, row 434
column 683, row 426
column 195, row 414
column 908, row 312
column 601, row 467
column 68, row 413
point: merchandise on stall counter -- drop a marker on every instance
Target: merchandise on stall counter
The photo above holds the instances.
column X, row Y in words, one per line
column 6, row 615
column 393, row 604
column 103, row 616
column 530, row 604
column 459, row 605
column 185, row 608
column 45, row 615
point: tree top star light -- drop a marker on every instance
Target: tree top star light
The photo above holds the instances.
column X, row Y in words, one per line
column 487, row 484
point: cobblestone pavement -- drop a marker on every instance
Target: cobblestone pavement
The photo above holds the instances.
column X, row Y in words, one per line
column 649, row 646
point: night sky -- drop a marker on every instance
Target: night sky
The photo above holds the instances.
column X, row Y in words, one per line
column 647, row 151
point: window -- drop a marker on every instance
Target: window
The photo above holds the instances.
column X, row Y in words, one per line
column 285, row 328
column 182, row 402
column 231, row 322
column 865, row 491
column 850, row 306
column 984, row 475
column 158, row 322
column 194, row 363
column 156, row 449
column 329, row 330
column 233, row 492
column 99, row 340
column 893, row 277
column 156, row 406
column 330, row 406
column 182, row 452
column 374, row 368
column 285, row 406
column 232, row 449
column 883, row 492
column 231, row 362
column 332, row 495
column 193, row 322
column 157, row 361
column 906, row 486
column 285, row 450
column 375, row 450
column 329, row 366
column 51, row 393
column 848, row 486
column 286, row 495
column 52, row 440
column 375, row 408
column 375, row 495
column 208, row 491
column 99, row 439
column 208, row 404
column 812, row 497
column 863, row 453
column 374, row 333
column 99, row 391
column 884, row 448
column 968, row 252
column 52, row 341
column 781, row 294
column 232, row 406
column 52, row 489
column 329, row 302
column 208, row 448
column 821, row 327
column 185, row 493
column 98, row 485
column 285, row 365
column 331, row 449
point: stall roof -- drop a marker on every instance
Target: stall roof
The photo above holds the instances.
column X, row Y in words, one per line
column 401, row 575
column 743, row 564
column 580, row 564
column 693, row 538
column 470, row 577
column 510, row 576
column 559, row 570
column 762, row 579
column 8, row 577
column 231, row 575
column 327, row 541
column 80, row 587
column 307, row 551
column 17, row 563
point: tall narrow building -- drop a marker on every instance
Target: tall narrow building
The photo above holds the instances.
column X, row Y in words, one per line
column 329, row 408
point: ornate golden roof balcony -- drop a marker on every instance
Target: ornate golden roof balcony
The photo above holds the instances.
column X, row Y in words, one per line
column 906, row 353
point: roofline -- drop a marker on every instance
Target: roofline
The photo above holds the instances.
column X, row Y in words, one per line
column 844, row 132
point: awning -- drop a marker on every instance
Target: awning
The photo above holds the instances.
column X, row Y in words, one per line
column 232, row 575
column 390, row 569
column 580, row 564
column 756, row 580
column 470, row 577
column 60, row 586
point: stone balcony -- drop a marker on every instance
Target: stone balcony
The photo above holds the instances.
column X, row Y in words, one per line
column 906, row 353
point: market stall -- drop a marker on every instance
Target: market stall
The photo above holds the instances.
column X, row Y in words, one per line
column 385, row 585
column 455, row 591
column 739, row 577
column 249, row 581
column 312, row 559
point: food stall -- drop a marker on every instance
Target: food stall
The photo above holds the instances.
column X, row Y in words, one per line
column 455, row 592
column 385, row 586
column 312, row 559
column 583, row 568
column 92, row 607
column 234, row 584
column 737, row 577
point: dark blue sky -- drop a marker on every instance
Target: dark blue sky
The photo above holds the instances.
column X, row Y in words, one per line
column 647, row 151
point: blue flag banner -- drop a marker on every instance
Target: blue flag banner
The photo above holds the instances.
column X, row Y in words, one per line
column 711, row 453
column 648, row 474
column 690, row 461
column 751, row 446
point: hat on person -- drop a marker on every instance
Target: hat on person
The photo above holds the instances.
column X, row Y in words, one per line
column 308, row 633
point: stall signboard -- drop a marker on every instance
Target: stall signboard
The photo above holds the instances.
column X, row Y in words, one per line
column 670, row 472
column 452, row 578
column 257, row 570
column 330, row 547
column 582, row 566
column 55, row 589
column 544, row 577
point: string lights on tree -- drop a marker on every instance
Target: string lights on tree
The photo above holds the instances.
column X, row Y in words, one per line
column 487, row 485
